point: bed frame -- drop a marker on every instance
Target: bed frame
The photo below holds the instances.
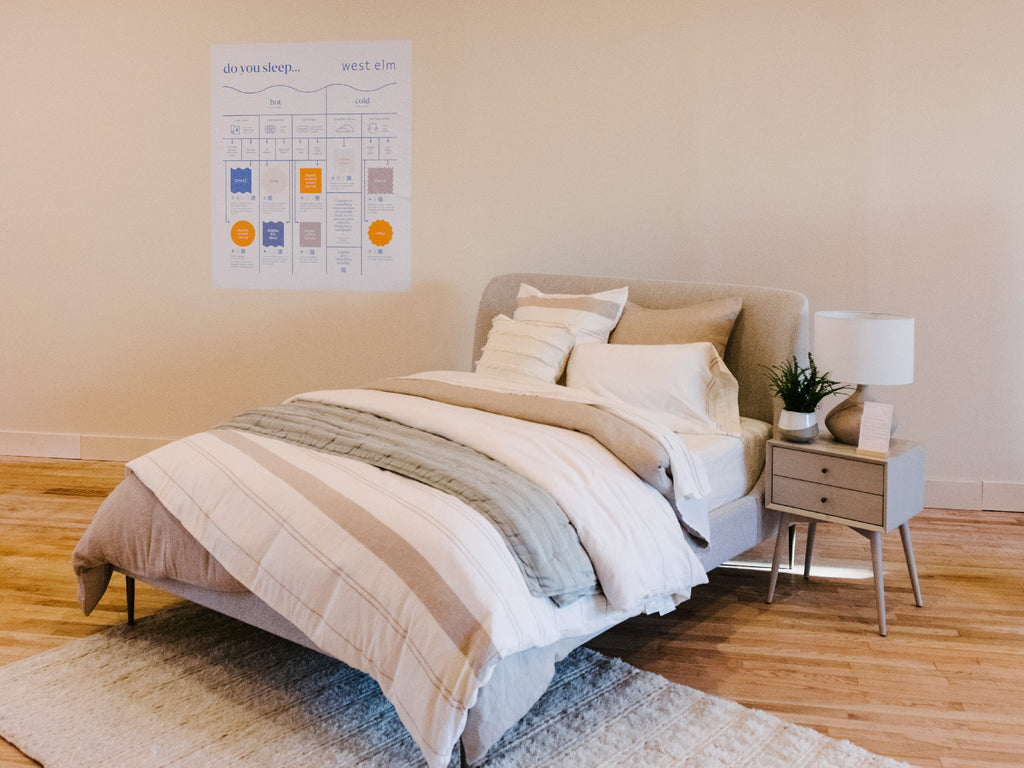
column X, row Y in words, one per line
column 771, row 327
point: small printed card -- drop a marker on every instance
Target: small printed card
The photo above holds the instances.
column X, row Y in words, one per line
column 875, row 428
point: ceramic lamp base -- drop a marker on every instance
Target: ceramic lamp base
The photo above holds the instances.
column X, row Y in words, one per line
column 843, row 421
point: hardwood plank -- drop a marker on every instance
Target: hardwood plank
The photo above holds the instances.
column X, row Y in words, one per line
column 941, row 691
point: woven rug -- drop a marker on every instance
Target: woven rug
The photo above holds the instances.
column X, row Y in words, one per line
column 190, row 688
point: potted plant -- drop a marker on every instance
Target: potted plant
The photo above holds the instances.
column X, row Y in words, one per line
column 801, row 389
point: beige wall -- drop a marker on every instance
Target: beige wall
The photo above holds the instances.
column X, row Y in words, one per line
column 866, row 153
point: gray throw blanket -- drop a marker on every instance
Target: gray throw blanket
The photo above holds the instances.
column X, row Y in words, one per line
column 630, row 444
column 536, row 529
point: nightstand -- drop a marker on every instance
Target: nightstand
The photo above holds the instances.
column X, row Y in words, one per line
column 836, row 483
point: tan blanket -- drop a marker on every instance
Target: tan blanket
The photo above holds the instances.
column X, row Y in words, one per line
column 134, row 530
column 635, row 448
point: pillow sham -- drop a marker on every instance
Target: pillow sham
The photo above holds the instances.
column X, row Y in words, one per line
column 685, row 386
column 591, row 316
column 518, row 349
column 708, row 321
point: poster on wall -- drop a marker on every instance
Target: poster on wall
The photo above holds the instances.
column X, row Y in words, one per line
column 311, row 160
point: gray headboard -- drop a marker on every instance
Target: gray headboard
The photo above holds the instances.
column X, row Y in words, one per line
column 771, row 327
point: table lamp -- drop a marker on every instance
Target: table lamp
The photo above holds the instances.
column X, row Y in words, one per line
column 861, row 348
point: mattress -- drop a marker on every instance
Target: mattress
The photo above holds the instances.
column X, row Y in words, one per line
column 733, row 464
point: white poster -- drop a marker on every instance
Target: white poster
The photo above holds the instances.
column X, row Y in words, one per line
column 311, row 160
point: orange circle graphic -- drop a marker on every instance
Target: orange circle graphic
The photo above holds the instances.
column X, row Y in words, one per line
column 380, row 232
column 243, row 233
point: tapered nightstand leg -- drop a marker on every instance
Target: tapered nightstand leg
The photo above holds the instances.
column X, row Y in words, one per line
column 908, row 551
column 876, row 565
column 781, row 545
column 812, row 527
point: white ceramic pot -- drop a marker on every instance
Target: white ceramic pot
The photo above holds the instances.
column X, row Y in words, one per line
column 798, row 427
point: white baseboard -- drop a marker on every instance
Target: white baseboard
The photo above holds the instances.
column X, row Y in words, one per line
column 974, row 494
column 41, row 445
column 1002, row 497
column 46, row 445
column 953, row 494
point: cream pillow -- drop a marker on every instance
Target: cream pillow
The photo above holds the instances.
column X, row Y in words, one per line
column 685, row 386
column 708, row 321
column 517, row 349
column 591, row 316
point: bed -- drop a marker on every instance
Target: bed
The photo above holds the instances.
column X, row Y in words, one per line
column 454, row 533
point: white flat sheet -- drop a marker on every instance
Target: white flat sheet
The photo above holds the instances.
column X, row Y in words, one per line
column 733, row 464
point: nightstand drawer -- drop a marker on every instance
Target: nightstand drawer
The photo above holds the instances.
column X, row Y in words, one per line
column 828, row 500
column 828, row 470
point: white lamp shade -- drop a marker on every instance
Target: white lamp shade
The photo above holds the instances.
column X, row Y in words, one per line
column 864, row 347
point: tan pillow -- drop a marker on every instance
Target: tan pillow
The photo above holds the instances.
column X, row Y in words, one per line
column 709, row 321
column 591, row 316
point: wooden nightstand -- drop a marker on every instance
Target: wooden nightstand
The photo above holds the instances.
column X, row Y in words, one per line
column 829, row 481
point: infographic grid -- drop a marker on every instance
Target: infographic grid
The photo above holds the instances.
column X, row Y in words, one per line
column 311, row 158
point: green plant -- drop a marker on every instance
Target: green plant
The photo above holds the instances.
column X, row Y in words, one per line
column 801, row 388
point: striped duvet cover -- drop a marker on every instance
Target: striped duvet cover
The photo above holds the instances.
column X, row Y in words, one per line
column 408, row 583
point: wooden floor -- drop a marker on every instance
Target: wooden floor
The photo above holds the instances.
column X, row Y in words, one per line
column 943, row 689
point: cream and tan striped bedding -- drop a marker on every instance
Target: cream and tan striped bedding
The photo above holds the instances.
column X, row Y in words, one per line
column 535, row 528
column 406, row 582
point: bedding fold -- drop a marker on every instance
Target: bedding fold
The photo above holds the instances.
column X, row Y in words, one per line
column 630, row 444
column 653, row 451
column 132, row 529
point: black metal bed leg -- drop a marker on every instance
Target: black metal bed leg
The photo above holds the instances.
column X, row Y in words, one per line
column 129, row 585
column 792, row 546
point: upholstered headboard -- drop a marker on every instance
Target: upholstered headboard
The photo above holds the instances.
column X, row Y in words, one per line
column 771, row 327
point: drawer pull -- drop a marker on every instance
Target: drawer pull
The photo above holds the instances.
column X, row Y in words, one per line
column 824, row 470
column 824, row 500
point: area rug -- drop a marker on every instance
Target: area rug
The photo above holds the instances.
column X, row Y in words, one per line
column 193, row 689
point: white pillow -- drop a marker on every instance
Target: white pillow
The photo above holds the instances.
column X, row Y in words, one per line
column 675, row 383
column 517, row 349
column 591, row 316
